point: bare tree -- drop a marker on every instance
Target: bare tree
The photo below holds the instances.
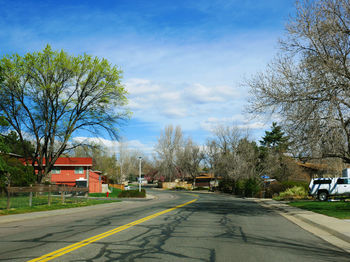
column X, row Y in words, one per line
column 169, row 143
column 230, row 154
column 247, row 159
column 123, row 161
column 211, row 155
column 308, row 83
column 189, row 158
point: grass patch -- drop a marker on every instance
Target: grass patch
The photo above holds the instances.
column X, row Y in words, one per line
column 115, row 193
column 20, row 205
column 333, row 209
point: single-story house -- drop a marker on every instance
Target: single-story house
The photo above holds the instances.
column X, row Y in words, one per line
column 206, row 180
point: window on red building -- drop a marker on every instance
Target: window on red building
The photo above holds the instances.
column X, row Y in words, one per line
column 79, row 170
column 55, row 170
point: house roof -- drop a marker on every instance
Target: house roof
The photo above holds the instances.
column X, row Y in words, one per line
column 313, row 166
column 73, row 161
column 205, row 176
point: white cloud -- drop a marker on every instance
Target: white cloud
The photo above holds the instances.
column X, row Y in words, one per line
column 112, row 145
column 204, row 94
column 164, row 102
column 254, row 125
column 96, row 140
column 239, row 121
column 136, row 86
column 175, row 112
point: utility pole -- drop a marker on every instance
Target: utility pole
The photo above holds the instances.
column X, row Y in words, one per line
column 140, row 158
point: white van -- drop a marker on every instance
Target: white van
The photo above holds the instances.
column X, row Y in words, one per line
column 323, row 188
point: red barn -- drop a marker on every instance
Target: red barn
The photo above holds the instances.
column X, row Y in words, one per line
column 76, row 171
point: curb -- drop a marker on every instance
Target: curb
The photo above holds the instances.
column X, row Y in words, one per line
column 323, row 226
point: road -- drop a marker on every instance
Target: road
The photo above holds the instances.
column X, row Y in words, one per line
column 213, row 228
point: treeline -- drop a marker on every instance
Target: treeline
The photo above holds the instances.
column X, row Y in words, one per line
column 230, row 155
column 118, row 166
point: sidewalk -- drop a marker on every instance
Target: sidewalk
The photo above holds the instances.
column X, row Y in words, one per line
column 336, row 227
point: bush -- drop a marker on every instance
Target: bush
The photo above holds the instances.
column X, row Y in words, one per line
column 291, row 184
column 133, row 193
column 251, row 187
column 239, row 187
column 274, row 188
column 179, row 188
column 115, row 192
column 225, row 186
column 201, row 188
column 296, row 192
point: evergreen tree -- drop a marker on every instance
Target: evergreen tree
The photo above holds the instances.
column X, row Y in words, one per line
column 275, row 139
column 273, row 162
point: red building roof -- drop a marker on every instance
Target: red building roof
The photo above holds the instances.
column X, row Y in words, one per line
column 73, row 161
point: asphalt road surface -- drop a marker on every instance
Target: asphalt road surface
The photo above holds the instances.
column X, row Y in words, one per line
column 213, row 228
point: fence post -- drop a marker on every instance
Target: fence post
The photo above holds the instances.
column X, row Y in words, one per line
column 49, row 196
column 63, row 189
column 31, row 195
column 8, row 196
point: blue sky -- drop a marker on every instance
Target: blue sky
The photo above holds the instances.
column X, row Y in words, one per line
column 184, row 61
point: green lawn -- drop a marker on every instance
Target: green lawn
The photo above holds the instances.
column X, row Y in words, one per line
column 337, row 209
column 20, row 204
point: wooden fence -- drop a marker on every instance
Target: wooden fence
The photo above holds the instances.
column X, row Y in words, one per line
column 43, row 189
column 118, row 186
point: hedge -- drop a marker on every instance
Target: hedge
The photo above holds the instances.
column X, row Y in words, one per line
column 133, row 193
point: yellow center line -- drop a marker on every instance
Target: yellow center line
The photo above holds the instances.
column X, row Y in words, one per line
column 85, row 242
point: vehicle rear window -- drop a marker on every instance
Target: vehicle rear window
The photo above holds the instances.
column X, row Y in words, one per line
column 324, row 181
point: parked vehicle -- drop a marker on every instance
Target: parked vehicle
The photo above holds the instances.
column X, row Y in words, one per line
column 323, row 188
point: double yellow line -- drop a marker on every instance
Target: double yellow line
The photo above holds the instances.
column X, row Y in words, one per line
column 70, row 248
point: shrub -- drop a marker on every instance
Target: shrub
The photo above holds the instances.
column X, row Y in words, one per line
column 274, row 189
column 201, row 188
column 239, row 187
column 251, row 187
column 115, row 192
column 290, row 184
column 133, row 193
column 180, row 188
column 296, row 192
column 225, row 186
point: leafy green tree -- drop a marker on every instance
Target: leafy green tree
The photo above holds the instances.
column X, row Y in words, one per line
column 51, row 95
column 18, row 147
column 12, row 170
